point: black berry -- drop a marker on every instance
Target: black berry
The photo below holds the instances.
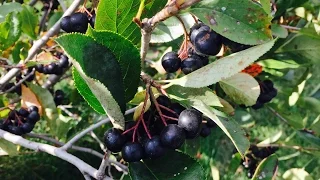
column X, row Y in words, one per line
column 39, row 68
column 171, row 62
column 15, row 130
column 114, row 140
column 33, row 117
column 190, row 64
column 23, row 112
column 66, row 25
column 190, row 120
column 172, row 136
column 205, row 131
column 27, row 127
column 164, row 101
column 33, row 108
column 208, row 43
column 132, row 152
column 64, row 61
column 153, row 148
column 211, row 123
column 79, row 22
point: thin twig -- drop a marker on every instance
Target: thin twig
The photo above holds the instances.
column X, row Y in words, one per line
column 290, row 27
column 91, row 128
column 95, row 137
column 80, row 164
column 277, row 114
column 77, row 148
column 20, row 82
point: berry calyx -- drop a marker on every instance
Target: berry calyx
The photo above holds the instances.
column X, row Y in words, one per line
column 171, row 62
column 172, row 136
column 132, row 152
column 190, row 120
column 114, row 140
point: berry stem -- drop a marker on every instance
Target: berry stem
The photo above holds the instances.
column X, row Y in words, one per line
column 156, row 105
column 19, row 120
column 168, row 109
column 128, row 130
column 168, row 117
column 145, row 127
column 135, row 131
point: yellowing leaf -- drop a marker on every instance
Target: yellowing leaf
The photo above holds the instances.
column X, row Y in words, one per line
column 28, row 99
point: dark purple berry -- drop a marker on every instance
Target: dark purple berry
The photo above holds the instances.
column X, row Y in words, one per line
column 132, row 152
column 171, row 62
column 190, row 120
column 33, row 117
column 205, row 131
column 39, row 68
column 33, row 108
column 164, row 101
column 79, row 22
column 15, row 130
column 64, row 61
column 27, row 127
column 190, row 64
column 153, row 148
column 208, row 43
column 172, row 136
column 114, row 140
column 66, row 25
column 23, row 112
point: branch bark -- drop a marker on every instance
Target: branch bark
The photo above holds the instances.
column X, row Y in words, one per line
column 58, row 152
column 38, row 44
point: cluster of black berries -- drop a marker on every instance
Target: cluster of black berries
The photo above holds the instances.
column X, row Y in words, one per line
column 77, row 22
column 59, row 97
column 158, row 138
column 253, row 158
column 267, row 93
column 205, row 43
column 53, row 68
column 22, row 121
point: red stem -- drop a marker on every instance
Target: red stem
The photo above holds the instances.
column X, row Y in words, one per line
column 168, row 109
column 145, row 128
column 168, row 117
column 157, row 106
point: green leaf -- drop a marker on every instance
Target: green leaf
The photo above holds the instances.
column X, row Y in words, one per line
column 279, row 31
column 309, row 138
column 228, row 126
column 174, row 165
column 279, row 64
column 267, row 169
column 117, row 16
column 10, row 31
column 223, row 68
column 20, row 51
column 171, row 28
column 266, row 6
column 311, row 104
column 303, row 47
column 128, row 57
column 100, row 70
column 242, row 21
column 54, row 18
column 8, row 148
column 241, row 88
column 29, row 21
column 205, row 95
column 271, row 139
column 86, row 92
column 7, row 8
column 296, row 174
